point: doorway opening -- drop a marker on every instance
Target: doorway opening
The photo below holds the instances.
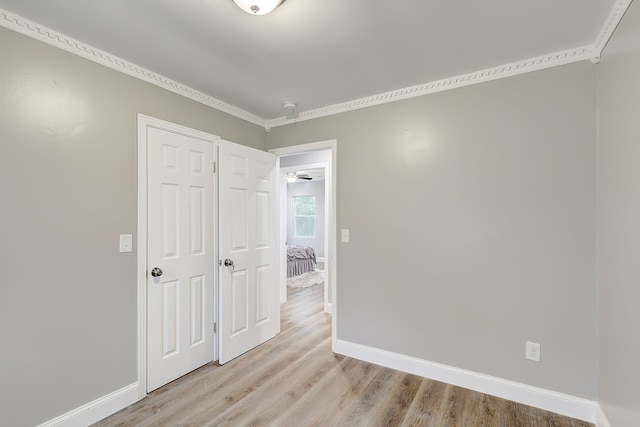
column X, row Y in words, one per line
column 303, row 221
column 309, row 159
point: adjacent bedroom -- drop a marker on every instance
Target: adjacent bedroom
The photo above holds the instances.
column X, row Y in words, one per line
column 305, row 228
column 306, row 218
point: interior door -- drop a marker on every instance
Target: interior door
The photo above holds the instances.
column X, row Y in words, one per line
column 249, row 297
column 181, row 254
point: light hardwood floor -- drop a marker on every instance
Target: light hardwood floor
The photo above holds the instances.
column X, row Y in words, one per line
column 295, row 380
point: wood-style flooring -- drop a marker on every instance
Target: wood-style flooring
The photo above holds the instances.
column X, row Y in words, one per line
column 295, row 380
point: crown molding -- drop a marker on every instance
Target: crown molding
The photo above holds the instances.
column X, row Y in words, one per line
column 610, row 25
column 53, row 38
column 488, row 74
column 591, row 52
column 61, row 41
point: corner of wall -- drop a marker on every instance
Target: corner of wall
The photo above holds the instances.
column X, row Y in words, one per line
column 601, row 418
column 98, row 409
column 547, row 400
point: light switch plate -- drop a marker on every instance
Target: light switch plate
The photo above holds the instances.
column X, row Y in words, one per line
column 345, row 236
column 126, row 243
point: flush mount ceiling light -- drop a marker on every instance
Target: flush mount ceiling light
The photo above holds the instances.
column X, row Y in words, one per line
column 257, row 7
column 291, row 177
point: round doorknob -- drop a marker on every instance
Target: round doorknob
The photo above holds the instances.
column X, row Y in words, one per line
column 229, row 263
column 156, row 272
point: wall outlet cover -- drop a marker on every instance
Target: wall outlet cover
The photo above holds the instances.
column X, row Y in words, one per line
column 533, row 351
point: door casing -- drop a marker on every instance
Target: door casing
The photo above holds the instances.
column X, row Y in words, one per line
column 330, row 260
column 143, row 123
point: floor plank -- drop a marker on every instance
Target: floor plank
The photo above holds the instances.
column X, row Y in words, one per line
column 294, row 380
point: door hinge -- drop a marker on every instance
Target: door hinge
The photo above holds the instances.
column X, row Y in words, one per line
column 215, row 328
column 214, row 167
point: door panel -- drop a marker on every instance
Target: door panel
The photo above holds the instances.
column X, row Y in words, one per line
column 198, row 310
column 263, row 296
column 196, row 221
column 238, row 219
column 181, row 242
column 239, row 302
column 249, row 309
column 169, row 318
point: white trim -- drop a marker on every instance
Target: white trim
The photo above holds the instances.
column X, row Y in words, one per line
column 592, row 52
column 142, row 254
column 601, row 418
column 145, row 122
column 96, row 410
column 610, row 25
column 281, row 183
column 548, row 400
column 40, row 32
column 330, row 177
column 494, row 73
column 328, row 307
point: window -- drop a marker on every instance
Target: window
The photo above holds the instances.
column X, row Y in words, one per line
column 304, row 216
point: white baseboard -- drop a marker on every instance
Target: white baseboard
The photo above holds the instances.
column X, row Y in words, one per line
column 328, row 307
column 548, row 400
column 601, row 420
column 98, row 409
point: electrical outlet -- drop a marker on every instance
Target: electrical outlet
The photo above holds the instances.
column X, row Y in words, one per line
column 533, row 351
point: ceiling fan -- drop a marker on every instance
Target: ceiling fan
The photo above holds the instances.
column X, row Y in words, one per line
column 293, row 176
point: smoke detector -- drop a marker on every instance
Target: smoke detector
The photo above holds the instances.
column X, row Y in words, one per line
column 289, row 105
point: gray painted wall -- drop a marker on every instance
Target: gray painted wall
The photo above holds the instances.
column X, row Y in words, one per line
column 68, row 311
column 619, row 223
column 472, row 218
column 476, row 207
column 312, row 188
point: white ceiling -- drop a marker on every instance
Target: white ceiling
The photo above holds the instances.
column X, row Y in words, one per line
column 318, row 52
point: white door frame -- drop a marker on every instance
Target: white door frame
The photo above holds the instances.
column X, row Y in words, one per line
column 284, row 221
column 330, row 256
column 145, row 122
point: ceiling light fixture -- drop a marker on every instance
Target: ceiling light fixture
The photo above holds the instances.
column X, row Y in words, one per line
column 291, row 177
column 257, row 7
